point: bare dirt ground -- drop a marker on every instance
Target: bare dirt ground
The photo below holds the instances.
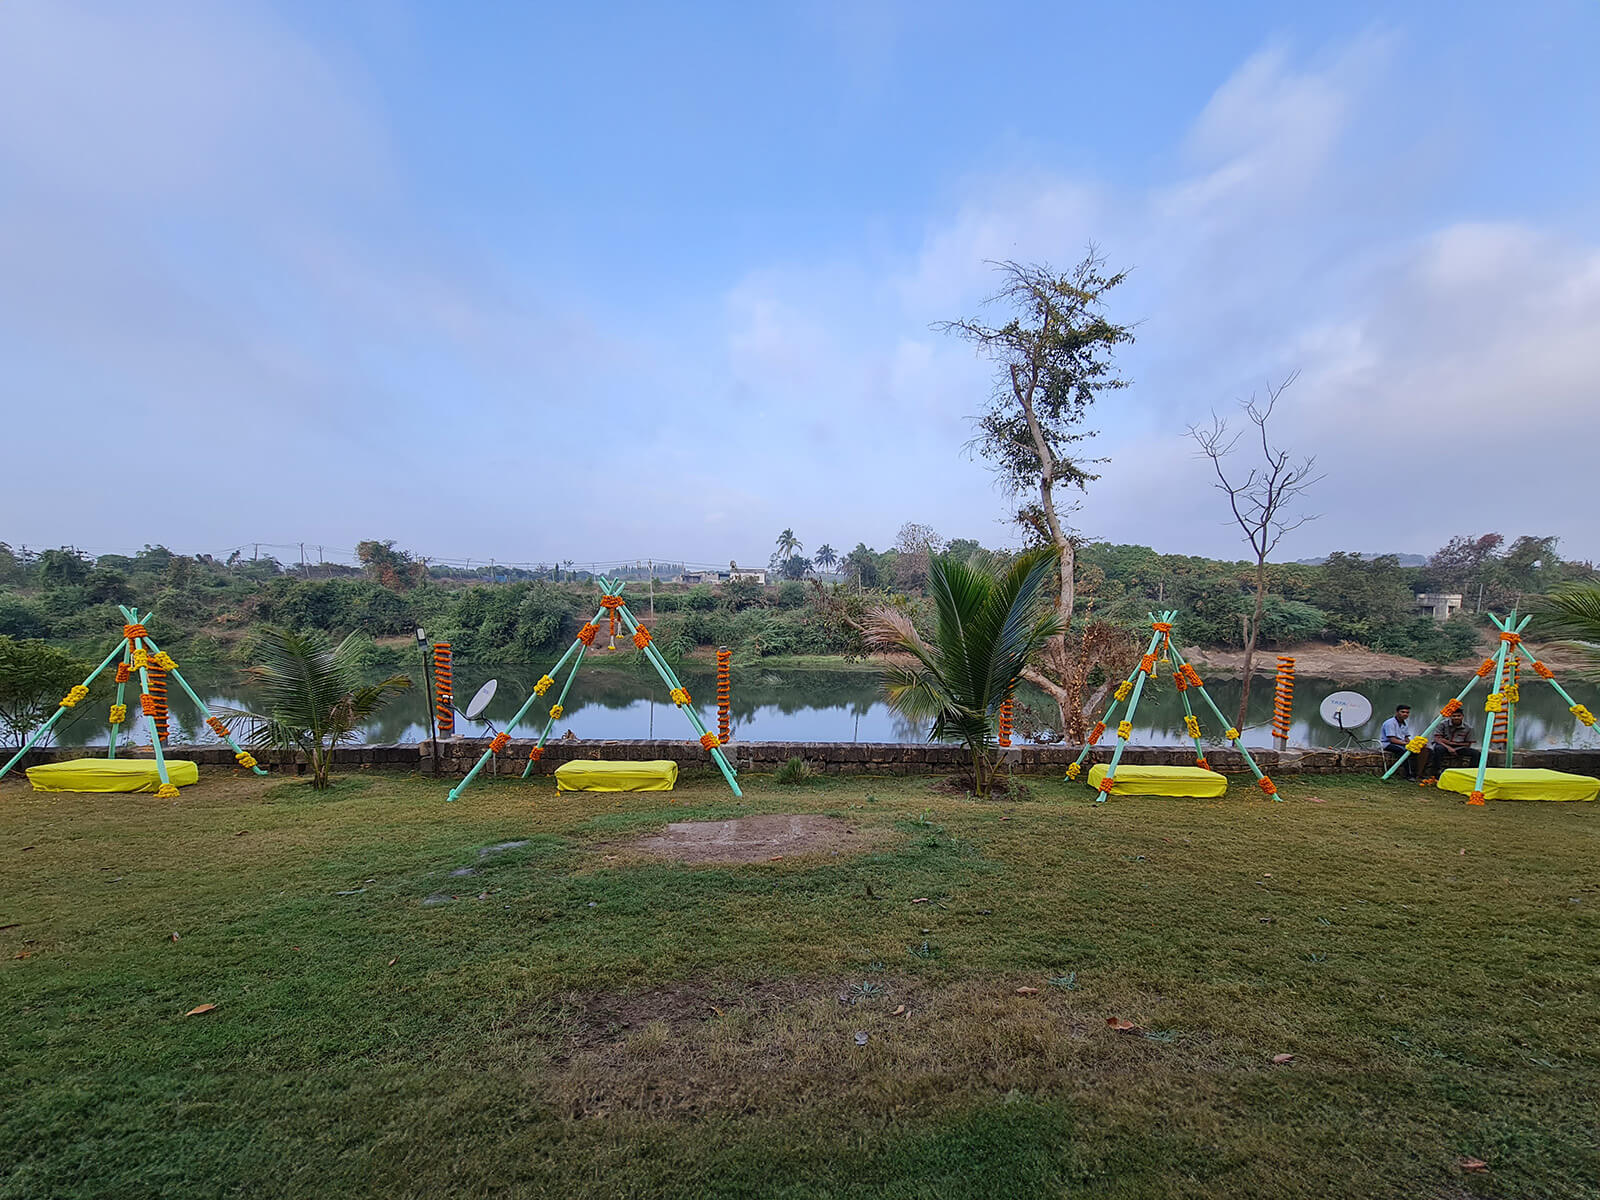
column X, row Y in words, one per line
column 1349, row 661
column 754, row 839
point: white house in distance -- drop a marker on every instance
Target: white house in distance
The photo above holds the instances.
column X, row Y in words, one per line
column 735, row 574
column 1444, row 604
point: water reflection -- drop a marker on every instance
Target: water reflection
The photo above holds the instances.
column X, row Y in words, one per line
column 610, row 701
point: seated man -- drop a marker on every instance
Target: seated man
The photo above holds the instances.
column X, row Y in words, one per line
column 1394, row 736
column 1452, row 745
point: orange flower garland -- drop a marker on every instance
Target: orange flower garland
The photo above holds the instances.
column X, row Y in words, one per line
column 147, row 704
column 536, row 754
column 1191, row 675
column 217, row 727
column 1542, row 671
column 1147, row 664
column 709, row 741
column 1202, row 764
column 611, row 602
column 1267, row 786
column 641, row 637
column 134, row 631
column 1450, row 709
column 124, row 672
column 1486, row 668
column 1107, row 784
column 586, row 634
column 500, row 742
column 1097, row 732
column 1475, row 798
column 1514, row 639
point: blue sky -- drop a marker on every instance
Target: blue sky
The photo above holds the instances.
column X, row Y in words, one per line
column 547, row 282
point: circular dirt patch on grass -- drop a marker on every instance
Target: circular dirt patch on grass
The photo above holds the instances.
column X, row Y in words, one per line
column 755, row 839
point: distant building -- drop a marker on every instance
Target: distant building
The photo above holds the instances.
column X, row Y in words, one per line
column 702, row 577
column 1444, row 604
column 757, row 574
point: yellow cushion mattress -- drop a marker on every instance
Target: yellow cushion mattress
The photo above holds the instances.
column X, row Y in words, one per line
column 587, row 775
column 110, row 775
column 1161, row 781
column 1521, row 783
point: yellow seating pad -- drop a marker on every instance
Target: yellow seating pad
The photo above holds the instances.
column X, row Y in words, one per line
column 1521, row 783
column 1161, row 781
column 587, row 775
column 110, row 775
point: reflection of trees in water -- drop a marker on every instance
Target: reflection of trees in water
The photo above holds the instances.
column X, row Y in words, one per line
column 812, row 705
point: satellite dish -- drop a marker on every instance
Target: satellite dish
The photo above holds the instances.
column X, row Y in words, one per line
column 1346, row 710
column 481, row 700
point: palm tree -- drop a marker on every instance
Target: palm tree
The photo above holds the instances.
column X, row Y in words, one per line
column 825, row 557
column 788, row 545
column 992, row 620
column 312, row 697
column 1573, row 611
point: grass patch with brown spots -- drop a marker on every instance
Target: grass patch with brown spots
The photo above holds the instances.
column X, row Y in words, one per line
column 417, row 998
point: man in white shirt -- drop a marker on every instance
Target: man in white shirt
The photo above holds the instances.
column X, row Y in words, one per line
column 1395, row 734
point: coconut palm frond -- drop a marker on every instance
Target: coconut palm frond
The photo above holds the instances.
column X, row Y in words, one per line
column 1572, row 612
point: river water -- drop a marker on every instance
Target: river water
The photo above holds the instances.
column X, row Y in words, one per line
column 845, row 706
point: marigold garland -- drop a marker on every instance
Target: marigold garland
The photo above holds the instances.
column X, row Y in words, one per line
column 709, row 741
column 1107, row 783
column 119, row 713
column 1202, row 764
column 1417, row 744
column 1161, row 626
column 1450, row 709
column 1192, row 676
column 1542, row 671
column 544, row 685
column 1512, row 692
column 77, row 693
column 1074, row 770
column 1475, row 798
column 1124, row 690
column 141, row 659
column 1179, row 682
column 217, row 727
column 147, row 704
column 1485, row 668
column 1191, row 725
column 1231, row 734
column 499, row 742
column 556, row 712
column 1124, row 730
column 1147, row 664
column 1512, row 639
column 245, row 760
column 1267, row 786
column 587, row 633
column 166, row 791
column 1582, row 713
column 641, row 637
column 165, row 661
column 679, row 696
column 610, row 601
column 134, row 631
column 124, row 672
column 1494, row 702
column 1097, row 732
column 536, row 754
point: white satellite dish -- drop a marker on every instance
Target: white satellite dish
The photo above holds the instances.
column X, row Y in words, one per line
column 481, row 700
column 1346, row 710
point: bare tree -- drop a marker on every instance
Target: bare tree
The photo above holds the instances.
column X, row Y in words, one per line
column 1261, row 501
column 1053, row 358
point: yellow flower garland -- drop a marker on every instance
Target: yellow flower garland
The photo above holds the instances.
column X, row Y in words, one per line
column 77, row 693
column 1192, row 725
column 1231, row 734
column 556, row 712
column 1124, row 730
column 679, row 696
column 543, row 686
column 119, row 713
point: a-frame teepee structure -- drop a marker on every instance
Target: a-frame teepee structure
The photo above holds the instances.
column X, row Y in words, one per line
column 1502, row 700
column 153, row 665
column 614, row 608
column 1186, row 679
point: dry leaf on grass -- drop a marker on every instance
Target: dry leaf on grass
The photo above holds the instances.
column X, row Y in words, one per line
column 1281, row 1059
column 23, row 954
column 1122, row 1025
column 920, row 900
column 200, row 1008
column 776, row 858
column 1027, row 991
column 1473, row 1164
column 392, row 961
column 899, row 1011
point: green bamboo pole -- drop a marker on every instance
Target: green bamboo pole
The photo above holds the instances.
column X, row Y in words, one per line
column 670, row 678
column 544, row 734
column 150, row 720
column 1133, row 705
column 1499, row 673
column 122, row 687
column 483, row 759
column 1434, row 724
column 1188, row 709
column 1571, row 703
column 56, row 716
column 1111, row 711
column 1238, row 742
column 205, row 713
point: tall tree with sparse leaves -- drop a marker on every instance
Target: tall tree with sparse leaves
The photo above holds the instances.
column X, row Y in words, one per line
column 1054, row 356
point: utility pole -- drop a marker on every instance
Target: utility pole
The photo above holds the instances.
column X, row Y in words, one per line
column 255, row 551
column 303, row 571
column 652, row 589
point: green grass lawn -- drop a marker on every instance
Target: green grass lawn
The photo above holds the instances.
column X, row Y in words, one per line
column 580, row 1020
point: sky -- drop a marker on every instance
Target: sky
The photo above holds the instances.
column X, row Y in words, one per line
column 541, row 282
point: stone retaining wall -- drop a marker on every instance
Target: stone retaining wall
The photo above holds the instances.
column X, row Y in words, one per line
column 456, row 756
